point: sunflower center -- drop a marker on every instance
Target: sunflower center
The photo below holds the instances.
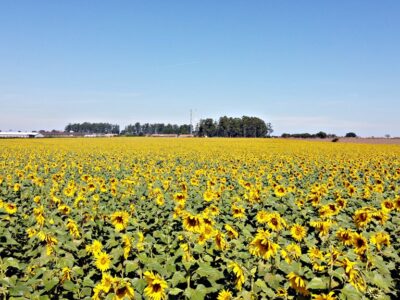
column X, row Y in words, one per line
column 192, row 221
column 157, row 287
column 103, row 260
column 121, row 292
column 360, row 243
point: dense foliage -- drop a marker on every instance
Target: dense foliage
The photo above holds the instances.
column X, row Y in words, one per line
column 138, row 129
column 87, row 127
column 198, row 218
column 320, row 135
column 234, row 127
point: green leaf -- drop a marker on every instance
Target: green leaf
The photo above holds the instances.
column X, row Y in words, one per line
column 20, row 289
column 69, row 286
column 86, row 292
column 349, row 293
column 131, row 266
column 263, row 287
column 139, row 284
column 88, row 282
column 178, row 277
column 205, row 270
column 50, row 283
column 174, row 291
column 381, row 282
column 11, row 262
column 318, row 283
column 274, row 281
column 198, row 294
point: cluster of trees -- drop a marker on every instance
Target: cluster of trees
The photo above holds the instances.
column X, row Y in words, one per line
column 224, row 127
column 138, row 129
column 351, row 134
column 234, row 127
column 87, row 127
column 321, row 135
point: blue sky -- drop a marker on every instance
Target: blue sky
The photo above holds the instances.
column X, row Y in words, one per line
column 304, row 66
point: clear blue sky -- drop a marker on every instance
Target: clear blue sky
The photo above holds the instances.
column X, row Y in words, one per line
column 304, row 66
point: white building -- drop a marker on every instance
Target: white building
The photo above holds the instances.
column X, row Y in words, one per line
column 16, row 134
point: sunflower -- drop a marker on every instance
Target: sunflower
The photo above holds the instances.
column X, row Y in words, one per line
column 281, row 293
column 262, row 246
column 127, row 245
column 17, row 187
column 180, row 198
column 262, row 217
column 224, row 295
column 95, row 248
column 397, row 203
column 103, row 261
column 107, row 282
column 341, row 203
column 298, row 232
column 64, row 209
column 280, row 191
column 120, row 220
column 220, row 241
column 317, row 258
column 186, row 252
column 345, row 236
column 322, row 226
column 328, row 210
column 379, row 239
column 362, row 217
column 123, row 290
column 140, row 242
column 31, row 232
column 212, row 210
column 360, row 243
column 238, row 211
column 208, row 195
column 207, row 232
column 10, row 208
column 232, row 233
column 297, row 282
column 354, row 276
column 193, row 223
column 276, row 222
column 156, row 286
column 239, row 273
column 73, row 229
column 330, row 296
column 160, row 200
column 291, row 252
column 65, row 274
column 387, row 206
column 380, row 216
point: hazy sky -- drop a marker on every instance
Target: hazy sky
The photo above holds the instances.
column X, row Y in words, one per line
column 304, row 66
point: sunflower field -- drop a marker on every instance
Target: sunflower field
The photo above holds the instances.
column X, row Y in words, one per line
column 154, row 218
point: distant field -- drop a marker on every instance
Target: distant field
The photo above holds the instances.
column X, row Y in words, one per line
column 381, row 141
column 392, row 141
column 158, row 218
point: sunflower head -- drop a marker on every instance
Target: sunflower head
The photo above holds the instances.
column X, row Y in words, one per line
column 120, row 220
column 156, row 286
column 103, row 261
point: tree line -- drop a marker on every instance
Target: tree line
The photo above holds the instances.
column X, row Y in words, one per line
column 138, row 129
column 321, row 135
column 234, row 127
column 98, row 128
column 224, row 127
